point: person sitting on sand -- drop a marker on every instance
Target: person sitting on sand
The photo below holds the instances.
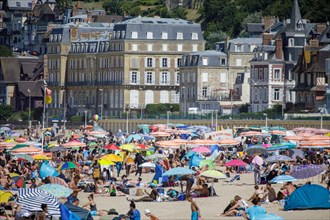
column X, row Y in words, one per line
column 258, row 193
column 152, row 196
column 238, row 208
column 133, row 213
column 289, row 188
column 91, row 206
column 203, row 192
column 73, row 184
column 99, row 186
column 270, row 193
column 251, row 212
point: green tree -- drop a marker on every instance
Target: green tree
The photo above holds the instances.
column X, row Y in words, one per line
column 212, row 38
column 5, row 51
column 5, row 112
column 114, row 7
column 64, row 4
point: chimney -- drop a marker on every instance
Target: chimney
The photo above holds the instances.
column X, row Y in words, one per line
column 267, row 38
column 278, row 49
column 314, row 43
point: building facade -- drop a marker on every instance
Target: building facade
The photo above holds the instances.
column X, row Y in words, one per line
column 327, row 68
column 128, row 65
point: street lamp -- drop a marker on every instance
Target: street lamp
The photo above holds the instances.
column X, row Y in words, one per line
column 64, row 108
column 216, row 120
column 141, row 106
column 29, row 91
column 127, row 112
column 85, row 119
column 101, row 91
column 322, row 111
column 185, row 101
column 266, row 119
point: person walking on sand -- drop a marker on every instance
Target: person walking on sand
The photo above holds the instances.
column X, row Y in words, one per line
column 195, row 212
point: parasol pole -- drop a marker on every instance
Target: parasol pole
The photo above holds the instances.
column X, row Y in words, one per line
column 43, row 119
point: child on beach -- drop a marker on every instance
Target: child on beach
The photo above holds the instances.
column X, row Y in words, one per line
column 195, row 212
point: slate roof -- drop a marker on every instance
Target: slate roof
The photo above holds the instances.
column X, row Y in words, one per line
column 255, row 27
column 36, row 88
column 171, row 26
column 321, row 56
column 23, row 5
column 212, row 56
column 324, row 37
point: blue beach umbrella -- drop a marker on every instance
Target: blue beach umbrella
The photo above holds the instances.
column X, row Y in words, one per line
column 282, row 146
column 267, row 217
column 283, row 179
column 179, row 171
column 278, row 158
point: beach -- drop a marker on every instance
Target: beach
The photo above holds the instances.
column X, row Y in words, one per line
column 210, row 206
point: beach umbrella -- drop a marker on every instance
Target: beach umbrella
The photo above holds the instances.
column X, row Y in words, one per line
column 251, row 133
column 74, row 144
column 41, row 157
column 67, row 166
column 267, row 217
column 57, row 180
column 213, row 174
column 31, row 200
column 5, row 196
column 228, row 141
column 111, row 147
column 314, row 144
column 56, row 190
column 92, row 144
column 201, row 149
column 282, row 146
column 141, row 147
column 179, row 171
column 7, row 145
column 13, row 175
column 155, row 156
column 293, row 138
column 170, row 144
column 18, row 146
column 283, row 179
column 21, row 140
column 112, row 157
column 47, row 170
column 307, row 171
column 24, row 157
column 56, row 149
column 127, row 147
column 160, row 134
column 210, row 164
column 5, row 129
column 133, row 137
column 148, row 138
column 278, row 132
column 19, row 181
column 318, row 138
column 202, row 142
column 26, row 150
column 106, row 162
column 278, row 158
column 257, row 160
column 77, row 213
column 234, row 163
column 255, row 150
column 148, row 164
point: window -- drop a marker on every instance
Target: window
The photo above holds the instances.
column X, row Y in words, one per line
column 223, row 78
column 165, row 47
column 164, row 79
column 149, row 78
column 179, row 47
column 134, row 98
column 134, row 35
column 177, row 81
column 194, row 36
column 290, row 56
column 204, row 92
column 205, row 77
column 164, row 35
column 179, row 36
column 223, row 62
column 178, row 62
column 149, row 47
column 291, row 42
column 276, row 94
column 205, row 61
column 149, row 97
column 150, row 35
column 149, row 62
column 134, row 47
column 164, row 97
column 194, row 47
column 238, row 62
column 277, row 74
column 261, row 74
column 134, row 77
column 238, row 47
column 164, row 62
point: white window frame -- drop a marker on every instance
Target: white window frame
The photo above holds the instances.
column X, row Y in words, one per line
column 194, row 36
column 180, row 47
column 165, row 47
column 149, row 62
column 238, row 62
column 150, row 35
column 134, row 77
column 164, row 35
column 205, row 77
column 135, row 35
column 276, row 94
column 149, row 78
column 277, row 74
column 150, row 47
column 205, row 61
column 164, row 80
column 179, row 36
column 164, row 62
column 134, row 47
column 291, row 42
column 195, row 47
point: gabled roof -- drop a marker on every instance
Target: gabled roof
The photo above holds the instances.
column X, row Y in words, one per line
column 324, row 37
column 36, row 88
column 255, row 27
column 10, row 69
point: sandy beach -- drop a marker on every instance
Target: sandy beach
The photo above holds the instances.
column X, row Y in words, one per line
column 210, row 207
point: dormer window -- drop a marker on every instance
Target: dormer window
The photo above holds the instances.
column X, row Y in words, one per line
column 205, row 62
column 194, row 36
column 123, row 33
column 150, row 35
column 300, row 25
column 134, row 35
column 164, row 35
column 179, row 36
column 238, row 47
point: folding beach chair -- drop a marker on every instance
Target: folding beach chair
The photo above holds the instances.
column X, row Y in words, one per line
column 236, row 177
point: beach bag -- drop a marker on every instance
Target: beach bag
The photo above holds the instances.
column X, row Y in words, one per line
column 96, row 173
column 112, row 194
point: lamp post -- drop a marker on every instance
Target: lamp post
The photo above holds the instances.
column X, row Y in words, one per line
column 322, row 112
column 101, row 91
column 85, row 119
column 43, row 119
column 64, row 108
column 127, row 112
column 254, row 83
column 29, row 91
column 185, row 101
column 216, row 120
column 212, row 118
column 266, row 119
column 141, row 106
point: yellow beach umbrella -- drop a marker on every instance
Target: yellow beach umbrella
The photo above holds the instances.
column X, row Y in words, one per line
column 127, row 147
column 13, row 175
column 112, row 157
column 41, row 157
column 5, row 196
column 106, row 162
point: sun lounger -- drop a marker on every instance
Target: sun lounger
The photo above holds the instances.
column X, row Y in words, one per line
column 236, row 177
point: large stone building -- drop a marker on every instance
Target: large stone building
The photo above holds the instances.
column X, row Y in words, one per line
column 105, row 70
column 204, row 81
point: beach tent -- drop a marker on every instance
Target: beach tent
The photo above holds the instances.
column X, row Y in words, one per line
column 158, row 173
column 80, row 212
column 47, row 170
column 309, row 196
column 194, row 161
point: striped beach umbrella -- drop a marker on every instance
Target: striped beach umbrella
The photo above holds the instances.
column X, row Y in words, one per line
column 32, row 199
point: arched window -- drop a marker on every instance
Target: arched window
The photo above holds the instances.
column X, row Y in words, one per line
column 164, row 97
